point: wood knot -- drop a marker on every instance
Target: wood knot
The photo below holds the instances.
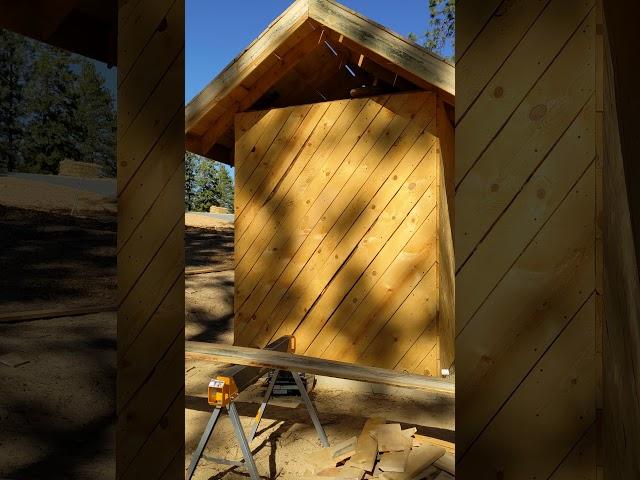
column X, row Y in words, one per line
column 498, row 92
column 538, row 112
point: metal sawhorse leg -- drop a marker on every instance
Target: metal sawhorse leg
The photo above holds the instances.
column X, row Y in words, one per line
column 244, row 441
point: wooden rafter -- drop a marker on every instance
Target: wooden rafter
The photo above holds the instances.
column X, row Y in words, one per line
column 371, row 50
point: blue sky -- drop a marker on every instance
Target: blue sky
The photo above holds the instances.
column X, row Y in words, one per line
column 216, row 31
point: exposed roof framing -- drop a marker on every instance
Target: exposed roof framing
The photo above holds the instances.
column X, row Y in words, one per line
column 316, row 50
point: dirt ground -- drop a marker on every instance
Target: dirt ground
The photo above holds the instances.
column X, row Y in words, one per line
column 59, row 405
column 286, row 435
column 57, row 411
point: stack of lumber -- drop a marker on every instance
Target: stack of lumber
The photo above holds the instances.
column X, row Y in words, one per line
column 216, row 209
column 387, row 452
column 71, row 168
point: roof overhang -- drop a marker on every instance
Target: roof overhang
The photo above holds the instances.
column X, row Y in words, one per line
column 86, row 27
column 374, row 54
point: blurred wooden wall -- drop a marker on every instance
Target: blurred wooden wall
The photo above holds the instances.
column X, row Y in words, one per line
column 621, row 417
column 528, row 239
column 150, row 384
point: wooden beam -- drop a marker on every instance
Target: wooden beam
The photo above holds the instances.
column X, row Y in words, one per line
column 261, row 86
column 328, row 368
column 384, row 46
column 242, row 66
column 17, row 317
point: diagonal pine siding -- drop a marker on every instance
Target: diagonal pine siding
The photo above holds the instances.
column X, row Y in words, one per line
column 336, row 230
column 150, row 393
column 527, row 196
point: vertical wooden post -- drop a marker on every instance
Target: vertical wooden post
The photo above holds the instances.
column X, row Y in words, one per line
column 150, row 383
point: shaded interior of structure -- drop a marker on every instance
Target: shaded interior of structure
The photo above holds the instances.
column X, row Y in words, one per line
column 331, row 70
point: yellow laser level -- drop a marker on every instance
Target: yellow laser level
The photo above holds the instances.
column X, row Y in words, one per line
column 222, row 391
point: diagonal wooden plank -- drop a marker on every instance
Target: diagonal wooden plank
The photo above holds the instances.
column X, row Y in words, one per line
column 247, row 131
column 498, row 99
column 337, row 223
column 141, row 301
column 286, row 242
column 354, row 252
column 269, row 127
column 415, row 315
column 524, row 142
column 580, row 462
column 532, row 303
column 554, row 405
column 530, row 209
column 422, row 356
column 246, row 189
column 252, row 226
column 140, row 24
column 137, row 362
column 144, row 412
column 320, row 162
column 154, row 174
column 351, row 286
column 392, row 287
column 492, row 46
column 362, row 269
column 471, row 18
column 170, row 426
column 282, row 167
column 151, row 233
column 150, row 67
column 150, row 123
column 309, row 207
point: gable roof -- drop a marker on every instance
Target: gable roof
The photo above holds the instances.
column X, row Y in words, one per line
column 317, row 50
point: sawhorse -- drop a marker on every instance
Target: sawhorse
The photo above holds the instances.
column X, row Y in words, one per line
column 224, row 395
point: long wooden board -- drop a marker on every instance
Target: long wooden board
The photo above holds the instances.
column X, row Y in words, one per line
column 329, row 368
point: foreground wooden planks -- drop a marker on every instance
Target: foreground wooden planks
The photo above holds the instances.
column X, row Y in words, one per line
column 525, row 238
column 150, row 177
column 337, row 220
column 329, row 368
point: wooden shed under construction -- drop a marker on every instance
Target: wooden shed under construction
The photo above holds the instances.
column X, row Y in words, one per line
column 340, row 132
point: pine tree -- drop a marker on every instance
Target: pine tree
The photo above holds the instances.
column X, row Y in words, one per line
column 50, row 102
column 225, row 188
column 16, row 54
column 442, row 27
column 95, row 119
column 206, row 182
column 190, row 172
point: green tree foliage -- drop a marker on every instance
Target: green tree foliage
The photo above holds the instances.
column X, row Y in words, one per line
column 207, row 184
column 50, row 103
column 441, row 31
column 55, row 105
column 95, row 119
column 190, row 172
column 225, row 188
column 15, row 56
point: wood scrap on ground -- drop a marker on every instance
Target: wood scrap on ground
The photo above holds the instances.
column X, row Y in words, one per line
column 13, row 360
column 384, row 451
column 366, row 447
column 390, row 438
